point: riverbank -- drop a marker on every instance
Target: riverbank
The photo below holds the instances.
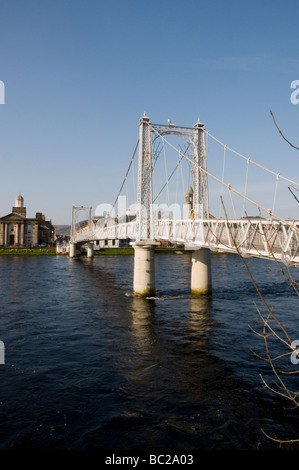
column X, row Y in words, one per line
column 27, row 251
column 102, row 252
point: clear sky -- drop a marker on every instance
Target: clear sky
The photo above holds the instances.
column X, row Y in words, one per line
column 79, row 74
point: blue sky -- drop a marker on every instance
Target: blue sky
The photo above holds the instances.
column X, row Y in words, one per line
column 79, row 74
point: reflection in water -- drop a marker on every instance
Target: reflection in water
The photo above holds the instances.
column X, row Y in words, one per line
column 200, row 322
column 200, row 309
column 193, row 326
column 143, row 313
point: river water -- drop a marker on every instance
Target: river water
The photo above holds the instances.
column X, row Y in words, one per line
column 89, row 366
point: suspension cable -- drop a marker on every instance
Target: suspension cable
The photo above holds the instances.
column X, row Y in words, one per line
column 245, row 190
column 172, row 173
column 125, row 178
column 231, row 199
column 251, row 161
column 228, row 186
column 165, row 164
column 222, row 179
column 275, row 192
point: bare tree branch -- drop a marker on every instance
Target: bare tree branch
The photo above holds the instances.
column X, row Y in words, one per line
column 282, row 133
column 293, row 193
column 277, row 342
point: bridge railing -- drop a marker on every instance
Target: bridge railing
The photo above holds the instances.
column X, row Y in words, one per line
column 111, row 232
column 252, row 237
column 118, row 231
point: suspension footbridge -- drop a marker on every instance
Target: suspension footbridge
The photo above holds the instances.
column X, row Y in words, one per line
column 185, row 215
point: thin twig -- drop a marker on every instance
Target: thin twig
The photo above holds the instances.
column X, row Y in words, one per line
column 282, row 133
column 279, row 440
column 293, row 194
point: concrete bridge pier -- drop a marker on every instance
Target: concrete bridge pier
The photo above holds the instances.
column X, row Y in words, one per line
column 201, row 279
column 73, row 249
column 89, row 250
column 144, row 268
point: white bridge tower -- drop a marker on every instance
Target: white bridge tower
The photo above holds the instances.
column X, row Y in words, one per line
column 144, row 266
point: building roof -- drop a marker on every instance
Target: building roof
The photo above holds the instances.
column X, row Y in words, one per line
column 13, row 216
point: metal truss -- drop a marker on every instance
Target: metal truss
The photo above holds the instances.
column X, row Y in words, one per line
column 262, row 238
column 255, row 237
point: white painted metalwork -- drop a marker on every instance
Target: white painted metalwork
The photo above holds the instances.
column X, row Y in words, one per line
column 258, row 237
column 144, row 184
column 255, row 237
column 196, row 138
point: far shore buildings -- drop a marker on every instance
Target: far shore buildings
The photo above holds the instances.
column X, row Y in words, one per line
column 16, row 230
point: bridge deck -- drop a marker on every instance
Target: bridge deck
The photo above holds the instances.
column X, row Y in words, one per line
column 250, row 237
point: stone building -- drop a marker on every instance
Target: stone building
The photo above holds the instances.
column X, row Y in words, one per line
column 189, row 203
column 16, row 230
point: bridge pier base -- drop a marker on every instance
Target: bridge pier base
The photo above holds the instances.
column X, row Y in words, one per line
column 89, row 250
column 73, row 248
column 201, row 279
column 144, row 268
